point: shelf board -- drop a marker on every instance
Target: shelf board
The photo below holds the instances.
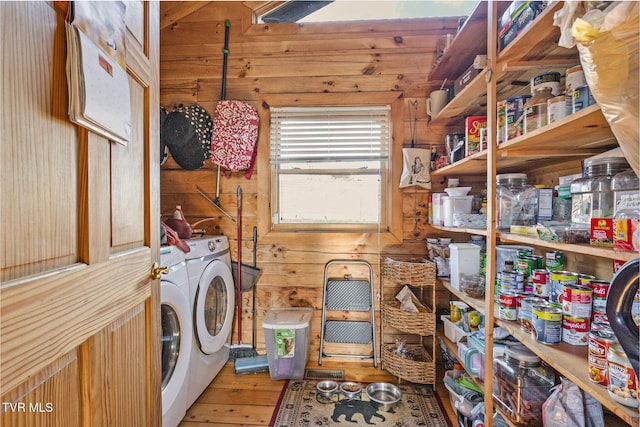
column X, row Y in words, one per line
column 583, row 248
column 478, row 231
column 577, row 136
column 478, row 304
column 571, row 361
column 470, row 41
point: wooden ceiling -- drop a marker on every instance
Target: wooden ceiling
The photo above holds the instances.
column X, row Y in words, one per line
column 173, row 11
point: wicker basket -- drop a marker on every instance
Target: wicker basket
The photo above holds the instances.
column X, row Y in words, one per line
column 416, row 272
column 420, row 371
column 412, row 323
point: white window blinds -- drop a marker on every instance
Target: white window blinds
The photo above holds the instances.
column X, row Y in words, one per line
column 313, row 134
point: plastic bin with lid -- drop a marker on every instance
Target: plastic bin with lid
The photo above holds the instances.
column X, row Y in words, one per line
column 287, row 335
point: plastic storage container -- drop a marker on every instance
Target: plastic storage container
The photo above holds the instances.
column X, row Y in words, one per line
column 464, row 259
column 521, row 384
column 626, row 193
column 592, row 195
column 516, row 201
column 287, row 334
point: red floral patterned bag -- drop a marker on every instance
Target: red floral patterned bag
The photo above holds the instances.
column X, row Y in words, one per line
column 235, row 133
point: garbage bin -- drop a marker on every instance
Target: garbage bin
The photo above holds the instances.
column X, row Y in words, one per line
column 287, row 334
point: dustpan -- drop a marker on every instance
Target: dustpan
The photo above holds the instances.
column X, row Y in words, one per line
column 249, row 275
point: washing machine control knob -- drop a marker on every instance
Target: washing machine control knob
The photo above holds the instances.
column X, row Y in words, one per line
column 212, row 245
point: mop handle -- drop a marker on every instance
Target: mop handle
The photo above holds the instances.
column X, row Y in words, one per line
column 239, row 266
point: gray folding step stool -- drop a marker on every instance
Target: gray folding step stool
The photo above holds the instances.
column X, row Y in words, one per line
column 348, row 295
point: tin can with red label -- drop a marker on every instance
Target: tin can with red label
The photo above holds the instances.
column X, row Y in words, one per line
column 541, row 279
column 600, row 290
column 601, row 338
column 575, row 330
column 585, row 279
column 576, row 301
column 508, row 305
column 559, row 279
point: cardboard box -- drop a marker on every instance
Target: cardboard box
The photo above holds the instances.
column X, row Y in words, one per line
column 626, row 234
column 472, row 126
column 602, row 232
column 465, row 78
column 516, row 18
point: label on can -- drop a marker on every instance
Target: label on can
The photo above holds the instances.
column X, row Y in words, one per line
column 574, row 78
column 556, row 108
column 576, row 301
column 525, row 309
column 600, row 339
column 554, row 261
column 541, row 279
column 600, row 290
column 550, row 79
column 585, row 279
column 547, row 324
column 582, row 98
column 511, row 281
column 527, row 264
column 559, row 279
column 501, row 120
column 508, row 305
column 514, row 125
column 575, row 330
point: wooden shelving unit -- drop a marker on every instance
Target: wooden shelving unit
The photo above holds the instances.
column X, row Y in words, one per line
column 573, row 138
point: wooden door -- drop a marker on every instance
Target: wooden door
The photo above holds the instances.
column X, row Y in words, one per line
column 79, row 231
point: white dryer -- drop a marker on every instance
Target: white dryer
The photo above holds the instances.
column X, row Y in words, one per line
column 212, row 298
column 177, row 335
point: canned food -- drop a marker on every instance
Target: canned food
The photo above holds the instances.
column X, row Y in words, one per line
column 554, row 260
column 559, row 279
column 556, row 108
column 582, row 98
column 600, row 290
column 601, row 338
column 514, row 122
column 524, row 311
column 585, row 279
column 576, row 301
column 574, row 78
column 547, row 324
column 501, row 113
column 508, row 305
column 527, row 264
column 541, row 280
column 511, row 281
column 575, row 330
column 550, row 79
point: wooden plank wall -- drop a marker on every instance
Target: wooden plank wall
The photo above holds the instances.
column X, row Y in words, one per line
column 370, row 56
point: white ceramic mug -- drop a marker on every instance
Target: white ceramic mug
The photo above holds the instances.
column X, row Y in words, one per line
column 436, row 102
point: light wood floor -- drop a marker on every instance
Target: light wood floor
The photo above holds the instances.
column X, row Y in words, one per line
column 250, row 399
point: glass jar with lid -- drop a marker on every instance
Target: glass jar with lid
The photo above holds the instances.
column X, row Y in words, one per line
column 623, row 384
column 535, row 110
column 592, row 195
column 626, row 194
column 521, row 384
column 516, row 201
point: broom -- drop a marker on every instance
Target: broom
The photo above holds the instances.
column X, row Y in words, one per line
column 240, row 350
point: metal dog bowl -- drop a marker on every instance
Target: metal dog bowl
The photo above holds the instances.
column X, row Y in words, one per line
column 350, row 390
column 387, row 396
column 327, row 388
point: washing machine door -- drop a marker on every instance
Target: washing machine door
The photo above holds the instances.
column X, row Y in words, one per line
column 214, row 305
column 176, row 341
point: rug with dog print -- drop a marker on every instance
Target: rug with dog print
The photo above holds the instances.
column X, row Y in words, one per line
column 301, row 405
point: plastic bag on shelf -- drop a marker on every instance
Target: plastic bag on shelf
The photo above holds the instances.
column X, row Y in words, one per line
column 609, row 46
column 568, row 406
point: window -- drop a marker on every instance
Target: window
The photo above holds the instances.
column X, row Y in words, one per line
column 329, row 167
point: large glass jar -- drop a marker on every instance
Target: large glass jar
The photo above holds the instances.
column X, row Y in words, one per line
column 592, row 195
column 626, row 194
column 521, row 384
column 516, row 201
column 535, row 110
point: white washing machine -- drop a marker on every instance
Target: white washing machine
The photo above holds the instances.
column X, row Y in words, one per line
column 177, row 335
column 212, row 299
